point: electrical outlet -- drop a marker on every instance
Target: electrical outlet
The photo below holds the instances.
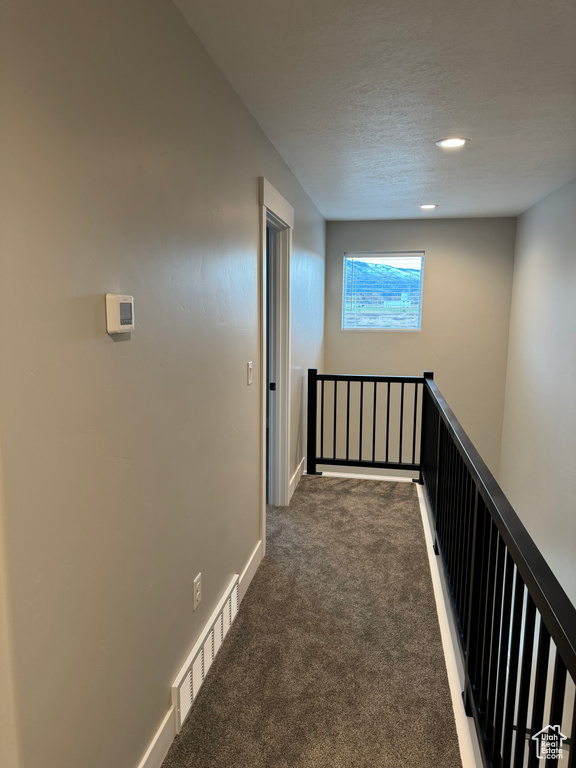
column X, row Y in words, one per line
column 197, row 590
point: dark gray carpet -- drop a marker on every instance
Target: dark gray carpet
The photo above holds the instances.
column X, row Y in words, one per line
column 335, row 659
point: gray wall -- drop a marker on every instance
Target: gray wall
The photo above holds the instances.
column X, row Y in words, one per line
column 306, row 322
column 129, row 165
column 466, row 305
column 539, row 445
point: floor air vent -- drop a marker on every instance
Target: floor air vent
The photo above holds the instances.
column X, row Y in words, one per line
column 187, row 684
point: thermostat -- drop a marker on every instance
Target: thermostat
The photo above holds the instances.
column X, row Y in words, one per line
column 119, row 313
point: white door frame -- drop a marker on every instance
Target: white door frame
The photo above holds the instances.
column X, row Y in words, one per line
column 279, row 214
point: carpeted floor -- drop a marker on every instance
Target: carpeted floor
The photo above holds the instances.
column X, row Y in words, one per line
column 335, row 659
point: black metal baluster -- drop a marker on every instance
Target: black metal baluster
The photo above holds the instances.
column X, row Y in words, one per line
column 361, row 415
column 335, row 408
column 449, row 536
column 540, row 685
column 443, row 459
column 387, row 420
column 488, row 617
column 557, row 700
column 414, row 423
column 572, row 752
column 322, row 421
column 462, row 543
column 447, row 522
column 457, row 522
column 478, row 605
column 374, row 424
column 467, row 558
column 439, row 502
column 503, row 660
column 463, row 475
column 495, row 640
column 401, row 422
column 525, row 677
column 444, row 510
column 458, row 466
column 470, row 552
column 442, row 470
column 348, row 420
column 513, row 670
column 558, row 691
column 464, row 531
column 473, row 599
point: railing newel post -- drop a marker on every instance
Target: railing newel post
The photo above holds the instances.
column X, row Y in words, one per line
column 425, row 375
column 312, row 421
column 429, row 376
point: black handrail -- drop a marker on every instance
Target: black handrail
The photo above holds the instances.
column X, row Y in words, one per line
column 516, row 625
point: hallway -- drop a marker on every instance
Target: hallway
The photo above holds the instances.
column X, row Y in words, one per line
column 340, row 622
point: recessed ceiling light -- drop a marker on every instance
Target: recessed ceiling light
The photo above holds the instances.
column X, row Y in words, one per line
column 428, row 206
column 452, row 143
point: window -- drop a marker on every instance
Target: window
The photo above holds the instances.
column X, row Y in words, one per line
column 382, row 291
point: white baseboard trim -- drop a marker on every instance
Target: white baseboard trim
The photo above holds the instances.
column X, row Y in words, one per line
column 161, row 743
column 358, row 476
column 250, row 569
column 164, row 736
column 295, row 479
column 189, row 680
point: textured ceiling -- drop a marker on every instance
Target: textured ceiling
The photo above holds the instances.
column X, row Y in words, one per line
column 353, row 94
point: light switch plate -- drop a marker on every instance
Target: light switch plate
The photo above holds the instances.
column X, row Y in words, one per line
column 197, row 590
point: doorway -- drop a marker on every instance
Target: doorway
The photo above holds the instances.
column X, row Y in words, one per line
column 277, row 218
column 271, row 330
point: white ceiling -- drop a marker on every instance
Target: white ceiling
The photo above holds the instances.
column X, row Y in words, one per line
column 354, row 93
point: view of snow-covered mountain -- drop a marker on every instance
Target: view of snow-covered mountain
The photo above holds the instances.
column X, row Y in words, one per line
column 379, row 295
column 382, row 279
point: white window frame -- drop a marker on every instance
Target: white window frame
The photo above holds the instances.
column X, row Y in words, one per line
column 389, row 255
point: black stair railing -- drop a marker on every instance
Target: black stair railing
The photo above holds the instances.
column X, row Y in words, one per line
column 364, row 421
column 516, row 625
